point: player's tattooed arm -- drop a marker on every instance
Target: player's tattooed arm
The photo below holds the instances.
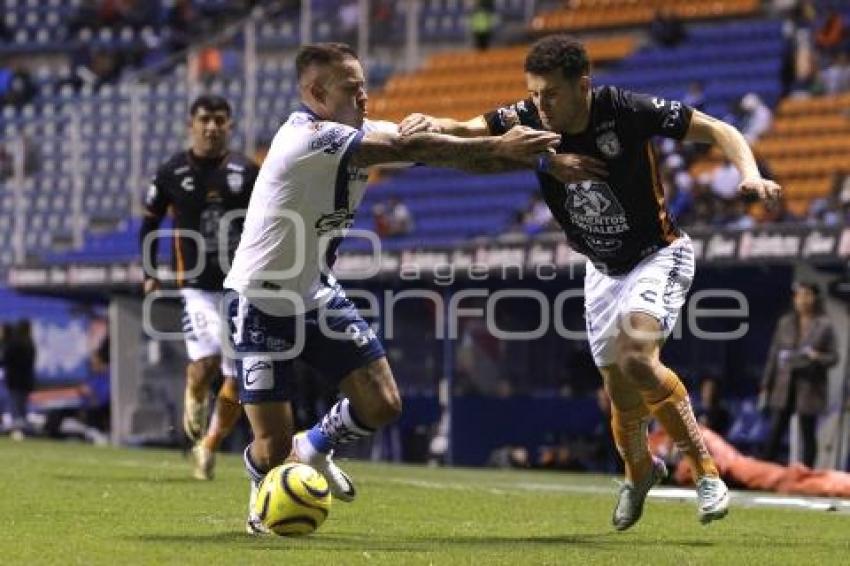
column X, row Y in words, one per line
column 416, row 123
column 517, row 149
column 706, row 129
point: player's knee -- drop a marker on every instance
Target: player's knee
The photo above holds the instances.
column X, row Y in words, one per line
column 390, row 410
column 229, row 390
column 638, row 365
column 204, row 369
column 271, row 450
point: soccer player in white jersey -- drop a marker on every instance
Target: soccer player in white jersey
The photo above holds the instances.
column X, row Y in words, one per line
column 285, row 294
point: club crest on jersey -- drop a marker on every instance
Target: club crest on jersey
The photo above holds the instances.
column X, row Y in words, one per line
column 339, row 219
column 509, row 117
column 234, row 181
column 609, row 144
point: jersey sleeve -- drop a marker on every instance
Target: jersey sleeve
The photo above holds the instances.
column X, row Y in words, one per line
column 328, row 144
column 655, row 116
column 156, row 198
column 503, row 119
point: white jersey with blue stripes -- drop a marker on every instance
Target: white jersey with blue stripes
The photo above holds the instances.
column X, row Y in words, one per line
column 302, row 204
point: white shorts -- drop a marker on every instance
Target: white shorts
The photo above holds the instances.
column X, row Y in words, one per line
column 656, row 286
column 203, row 326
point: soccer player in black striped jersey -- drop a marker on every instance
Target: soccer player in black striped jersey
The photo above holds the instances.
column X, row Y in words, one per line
column 198, row 187
column 603, row 186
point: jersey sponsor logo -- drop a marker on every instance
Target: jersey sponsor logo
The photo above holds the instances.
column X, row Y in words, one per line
column 658, row 102
column 331, row 140
column 339, row 219
column 234, row 181
column 235, row 167
column 603, row 246
column 188, row 184
column 257, row 373
column 181, row 170
column 609, row 144
column 594, row 209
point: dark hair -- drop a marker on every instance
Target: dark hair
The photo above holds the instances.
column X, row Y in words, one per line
column 818, row 307
column 558, row 52
column 211, row 103
column 321, row 54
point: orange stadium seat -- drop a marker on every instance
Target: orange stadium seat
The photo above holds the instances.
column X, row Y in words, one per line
column 588, row 14
column 462, row 84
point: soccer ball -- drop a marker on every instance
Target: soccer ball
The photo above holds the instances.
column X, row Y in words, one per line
column 293, row 500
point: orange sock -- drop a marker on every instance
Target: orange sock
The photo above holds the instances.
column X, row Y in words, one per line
column 629, row 430
column 669, row 403
column 226, row 415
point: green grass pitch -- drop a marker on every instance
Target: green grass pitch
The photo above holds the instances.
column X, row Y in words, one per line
column 66, row 503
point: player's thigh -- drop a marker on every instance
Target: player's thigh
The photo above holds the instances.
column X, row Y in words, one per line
column 620, row 388
column 655, row 291
column 340, row 345
column 259, row 344
column 202, row 323
column 601, row 297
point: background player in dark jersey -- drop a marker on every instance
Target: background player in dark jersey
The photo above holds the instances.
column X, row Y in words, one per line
column 640, row 264
column 198, row 187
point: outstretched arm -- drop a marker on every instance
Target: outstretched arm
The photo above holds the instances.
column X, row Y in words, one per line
column 519, row 148
column 706, row 129
column 415, row 123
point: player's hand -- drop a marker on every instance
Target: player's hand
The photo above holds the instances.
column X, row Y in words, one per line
column 150, row 285
column 522, row 141
column 764, row 188
column 418, row 123
column 574, row 168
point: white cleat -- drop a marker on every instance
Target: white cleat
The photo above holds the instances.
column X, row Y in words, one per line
column 196, row 415
column 712, row 499
column 632, row 496
column 254, row 525
column 204, row 462
column 340, row 483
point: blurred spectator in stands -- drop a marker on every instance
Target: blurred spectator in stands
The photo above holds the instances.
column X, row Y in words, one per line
column 349, row 21
column 605, row 454
column 18, row 359
column 725, row 180
column 381, row 220
column 795, row 375
column 20, row 88
column 738, row 216
column 695, row 95
column 704, row 211
column 667, row 28
column 753, row 117
column 399, row 218
column 678, row 186
column 836, row 75
column 824, row 211
column 830, row 37
column 482, row 22
column 711, row 411
column 537, row 217
column 776, row 212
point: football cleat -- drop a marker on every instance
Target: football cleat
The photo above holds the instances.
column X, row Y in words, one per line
column 196, row 416
column 254, row 525
column 712, row 499
column 204, row 462
column 633, row 495
column 340, row 483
